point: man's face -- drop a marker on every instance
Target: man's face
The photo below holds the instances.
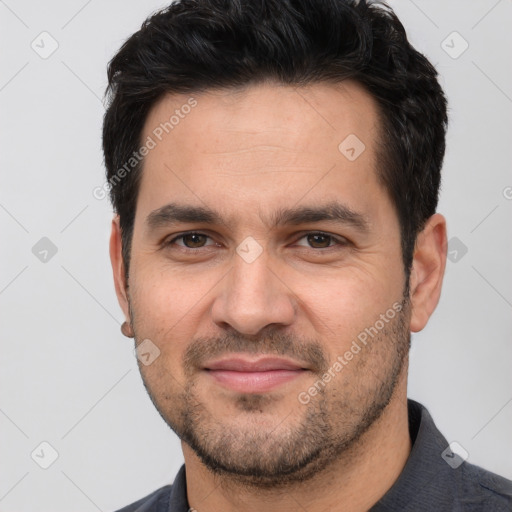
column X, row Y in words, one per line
column 299, row 256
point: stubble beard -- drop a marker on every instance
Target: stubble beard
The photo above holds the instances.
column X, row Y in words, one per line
column 324, row 431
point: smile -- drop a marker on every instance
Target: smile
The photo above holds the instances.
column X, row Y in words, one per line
column 255, row 376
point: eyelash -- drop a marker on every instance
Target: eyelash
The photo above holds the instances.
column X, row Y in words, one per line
column 338, row 241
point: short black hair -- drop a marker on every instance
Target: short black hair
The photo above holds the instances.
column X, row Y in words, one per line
column 194, row 46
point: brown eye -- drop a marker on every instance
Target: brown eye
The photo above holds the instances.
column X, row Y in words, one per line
column 319, row 240
column 194, row 240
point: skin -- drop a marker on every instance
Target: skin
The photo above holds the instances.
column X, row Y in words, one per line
column 246, row 154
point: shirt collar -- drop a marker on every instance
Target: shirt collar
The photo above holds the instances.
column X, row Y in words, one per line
column 426, row 476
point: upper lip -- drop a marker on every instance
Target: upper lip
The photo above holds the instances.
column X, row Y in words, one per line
column 262, row 364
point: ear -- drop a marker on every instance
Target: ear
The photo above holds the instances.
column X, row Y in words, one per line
column 116, row 258
column 428, row 266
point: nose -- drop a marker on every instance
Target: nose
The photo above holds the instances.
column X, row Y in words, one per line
column 252, row 297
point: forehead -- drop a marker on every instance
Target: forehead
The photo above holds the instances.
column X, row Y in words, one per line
column 260, row 144
column 318, row 112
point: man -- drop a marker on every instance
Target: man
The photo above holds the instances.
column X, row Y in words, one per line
column 274, row 167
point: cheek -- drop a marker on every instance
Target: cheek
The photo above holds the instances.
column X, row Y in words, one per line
column 167, row 306
column 342, row 304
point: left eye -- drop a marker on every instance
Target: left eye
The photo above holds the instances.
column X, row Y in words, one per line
column 191, row 240
column 321, row 240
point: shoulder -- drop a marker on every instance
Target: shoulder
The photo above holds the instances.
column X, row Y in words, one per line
column 469, row 487
column 486, row 488
column 155, row 502
column 437, row 478
column 170, row 498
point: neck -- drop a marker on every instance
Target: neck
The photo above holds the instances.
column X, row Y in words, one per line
column 355, row 481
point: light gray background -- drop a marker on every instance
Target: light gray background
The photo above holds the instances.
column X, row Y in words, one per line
column 69, row 377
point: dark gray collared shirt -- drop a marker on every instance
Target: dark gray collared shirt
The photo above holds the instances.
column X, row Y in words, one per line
column 434, row 479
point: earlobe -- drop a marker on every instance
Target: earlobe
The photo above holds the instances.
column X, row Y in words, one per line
column 429, row 262
column 118, row 270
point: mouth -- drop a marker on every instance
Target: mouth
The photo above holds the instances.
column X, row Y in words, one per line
column 254, row 375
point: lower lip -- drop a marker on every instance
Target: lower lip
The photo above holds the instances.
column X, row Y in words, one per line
column 254, row 382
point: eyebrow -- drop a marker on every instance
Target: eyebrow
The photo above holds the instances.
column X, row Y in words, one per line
column 173, row 213
column 333, row 211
